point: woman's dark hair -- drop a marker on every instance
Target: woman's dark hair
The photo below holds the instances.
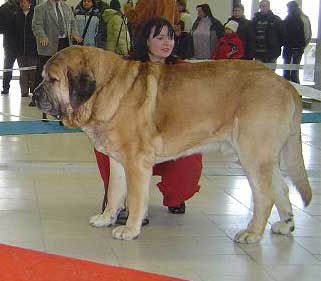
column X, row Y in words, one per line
column 206, row 9
column 115, row 5
column 183, row 4
column 141, row 50
column 239, row 6
column 94, row 4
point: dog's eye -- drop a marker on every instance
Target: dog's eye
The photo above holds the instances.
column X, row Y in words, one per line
column 52, row 80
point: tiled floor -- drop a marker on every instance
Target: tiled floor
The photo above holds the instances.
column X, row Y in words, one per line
column 49, row 187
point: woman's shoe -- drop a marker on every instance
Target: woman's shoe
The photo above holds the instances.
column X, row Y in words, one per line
column 122, row 218
column 178, row 210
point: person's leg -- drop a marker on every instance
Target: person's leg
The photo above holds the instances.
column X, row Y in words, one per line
column 9, row 59
column 297, row 56
column 104, row 169
column 23, row 79
column 40, row 64
column 32, row 61
column 179, row 179
column 287, row 57
column 63, row 43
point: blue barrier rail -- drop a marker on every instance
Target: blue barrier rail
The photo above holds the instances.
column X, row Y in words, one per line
column 53, row 127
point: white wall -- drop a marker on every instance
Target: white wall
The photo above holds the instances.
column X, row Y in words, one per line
column 221, row 9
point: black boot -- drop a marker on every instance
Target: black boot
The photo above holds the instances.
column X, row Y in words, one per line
column 178, row 210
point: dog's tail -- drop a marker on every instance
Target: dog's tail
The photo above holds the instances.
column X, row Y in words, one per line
column 292, row 163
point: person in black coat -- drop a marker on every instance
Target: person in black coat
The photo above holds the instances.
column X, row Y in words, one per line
column 244, row 31
column 297, row 36
column 7, row 11
column 183, row 42
column 268, row 30
column 26, row 47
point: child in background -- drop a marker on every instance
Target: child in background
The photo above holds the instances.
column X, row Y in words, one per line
column 229, row 46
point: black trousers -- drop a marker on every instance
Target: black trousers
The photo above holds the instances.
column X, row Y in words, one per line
column 62, row 44
column 9, row 59
column 292, row 56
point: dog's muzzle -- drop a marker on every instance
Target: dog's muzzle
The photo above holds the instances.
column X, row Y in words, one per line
column 45, row 102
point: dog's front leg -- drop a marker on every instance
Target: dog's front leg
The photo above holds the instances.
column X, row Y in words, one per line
column 138, row 175
column 116, row 195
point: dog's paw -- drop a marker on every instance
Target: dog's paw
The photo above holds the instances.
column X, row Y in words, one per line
column 102, row 220
column 283, row 228
column 125, row 233
column 247, row 237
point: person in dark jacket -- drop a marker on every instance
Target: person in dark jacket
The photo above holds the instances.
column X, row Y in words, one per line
column 205, row 30
column 268, row 30
column 102, row 32
column 26, row 47
column 10, row 55
column 244, row 31
column 297, row 35
column 183, row 48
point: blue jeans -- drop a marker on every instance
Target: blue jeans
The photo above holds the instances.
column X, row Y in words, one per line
column 292, row 55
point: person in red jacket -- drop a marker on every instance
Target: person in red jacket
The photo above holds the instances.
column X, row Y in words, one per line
column 180, row 177
column 229, row 46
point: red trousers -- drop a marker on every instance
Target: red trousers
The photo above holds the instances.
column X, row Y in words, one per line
column 179, row 177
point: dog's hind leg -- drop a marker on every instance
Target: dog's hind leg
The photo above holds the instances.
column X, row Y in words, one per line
column 138, row 174
column 282, row 202
column 116, row 196
column 259, row 166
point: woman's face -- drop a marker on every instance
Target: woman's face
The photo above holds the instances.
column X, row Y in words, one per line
column 200, row 12
column 87, row 4
column 161, row 46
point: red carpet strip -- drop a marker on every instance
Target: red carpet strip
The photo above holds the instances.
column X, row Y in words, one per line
column 17, row 264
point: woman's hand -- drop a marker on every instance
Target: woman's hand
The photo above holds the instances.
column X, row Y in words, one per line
column 77, row 38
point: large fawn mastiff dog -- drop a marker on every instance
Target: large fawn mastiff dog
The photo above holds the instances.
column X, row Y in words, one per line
column 145, row 113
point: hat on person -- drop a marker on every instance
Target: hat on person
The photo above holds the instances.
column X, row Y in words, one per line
column 293, row 4
column 115, row 5
column 233, row 25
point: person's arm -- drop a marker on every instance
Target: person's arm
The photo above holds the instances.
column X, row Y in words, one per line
column 74, row 34
column 142, row 11
column 2, row 20
column 307, row 29
column 38, row 27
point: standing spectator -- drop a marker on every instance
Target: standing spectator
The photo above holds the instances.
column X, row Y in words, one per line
column 185, row 16
column 54, row 27
column 183, row 48
column 268, row 31
column 229, row 46
column 118, row 37
column 244, row 31
column 206, row 29
column 297, row 35
column 7, row 11
column 146, row 9
column 87, row 18
column 102, row 33
column 25, row 45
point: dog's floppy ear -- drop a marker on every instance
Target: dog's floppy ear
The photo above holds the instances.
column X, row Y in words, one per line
column 81, row 88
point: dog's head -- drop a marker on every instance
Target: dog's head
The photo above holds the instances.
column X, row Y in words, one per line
column 68, row 85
